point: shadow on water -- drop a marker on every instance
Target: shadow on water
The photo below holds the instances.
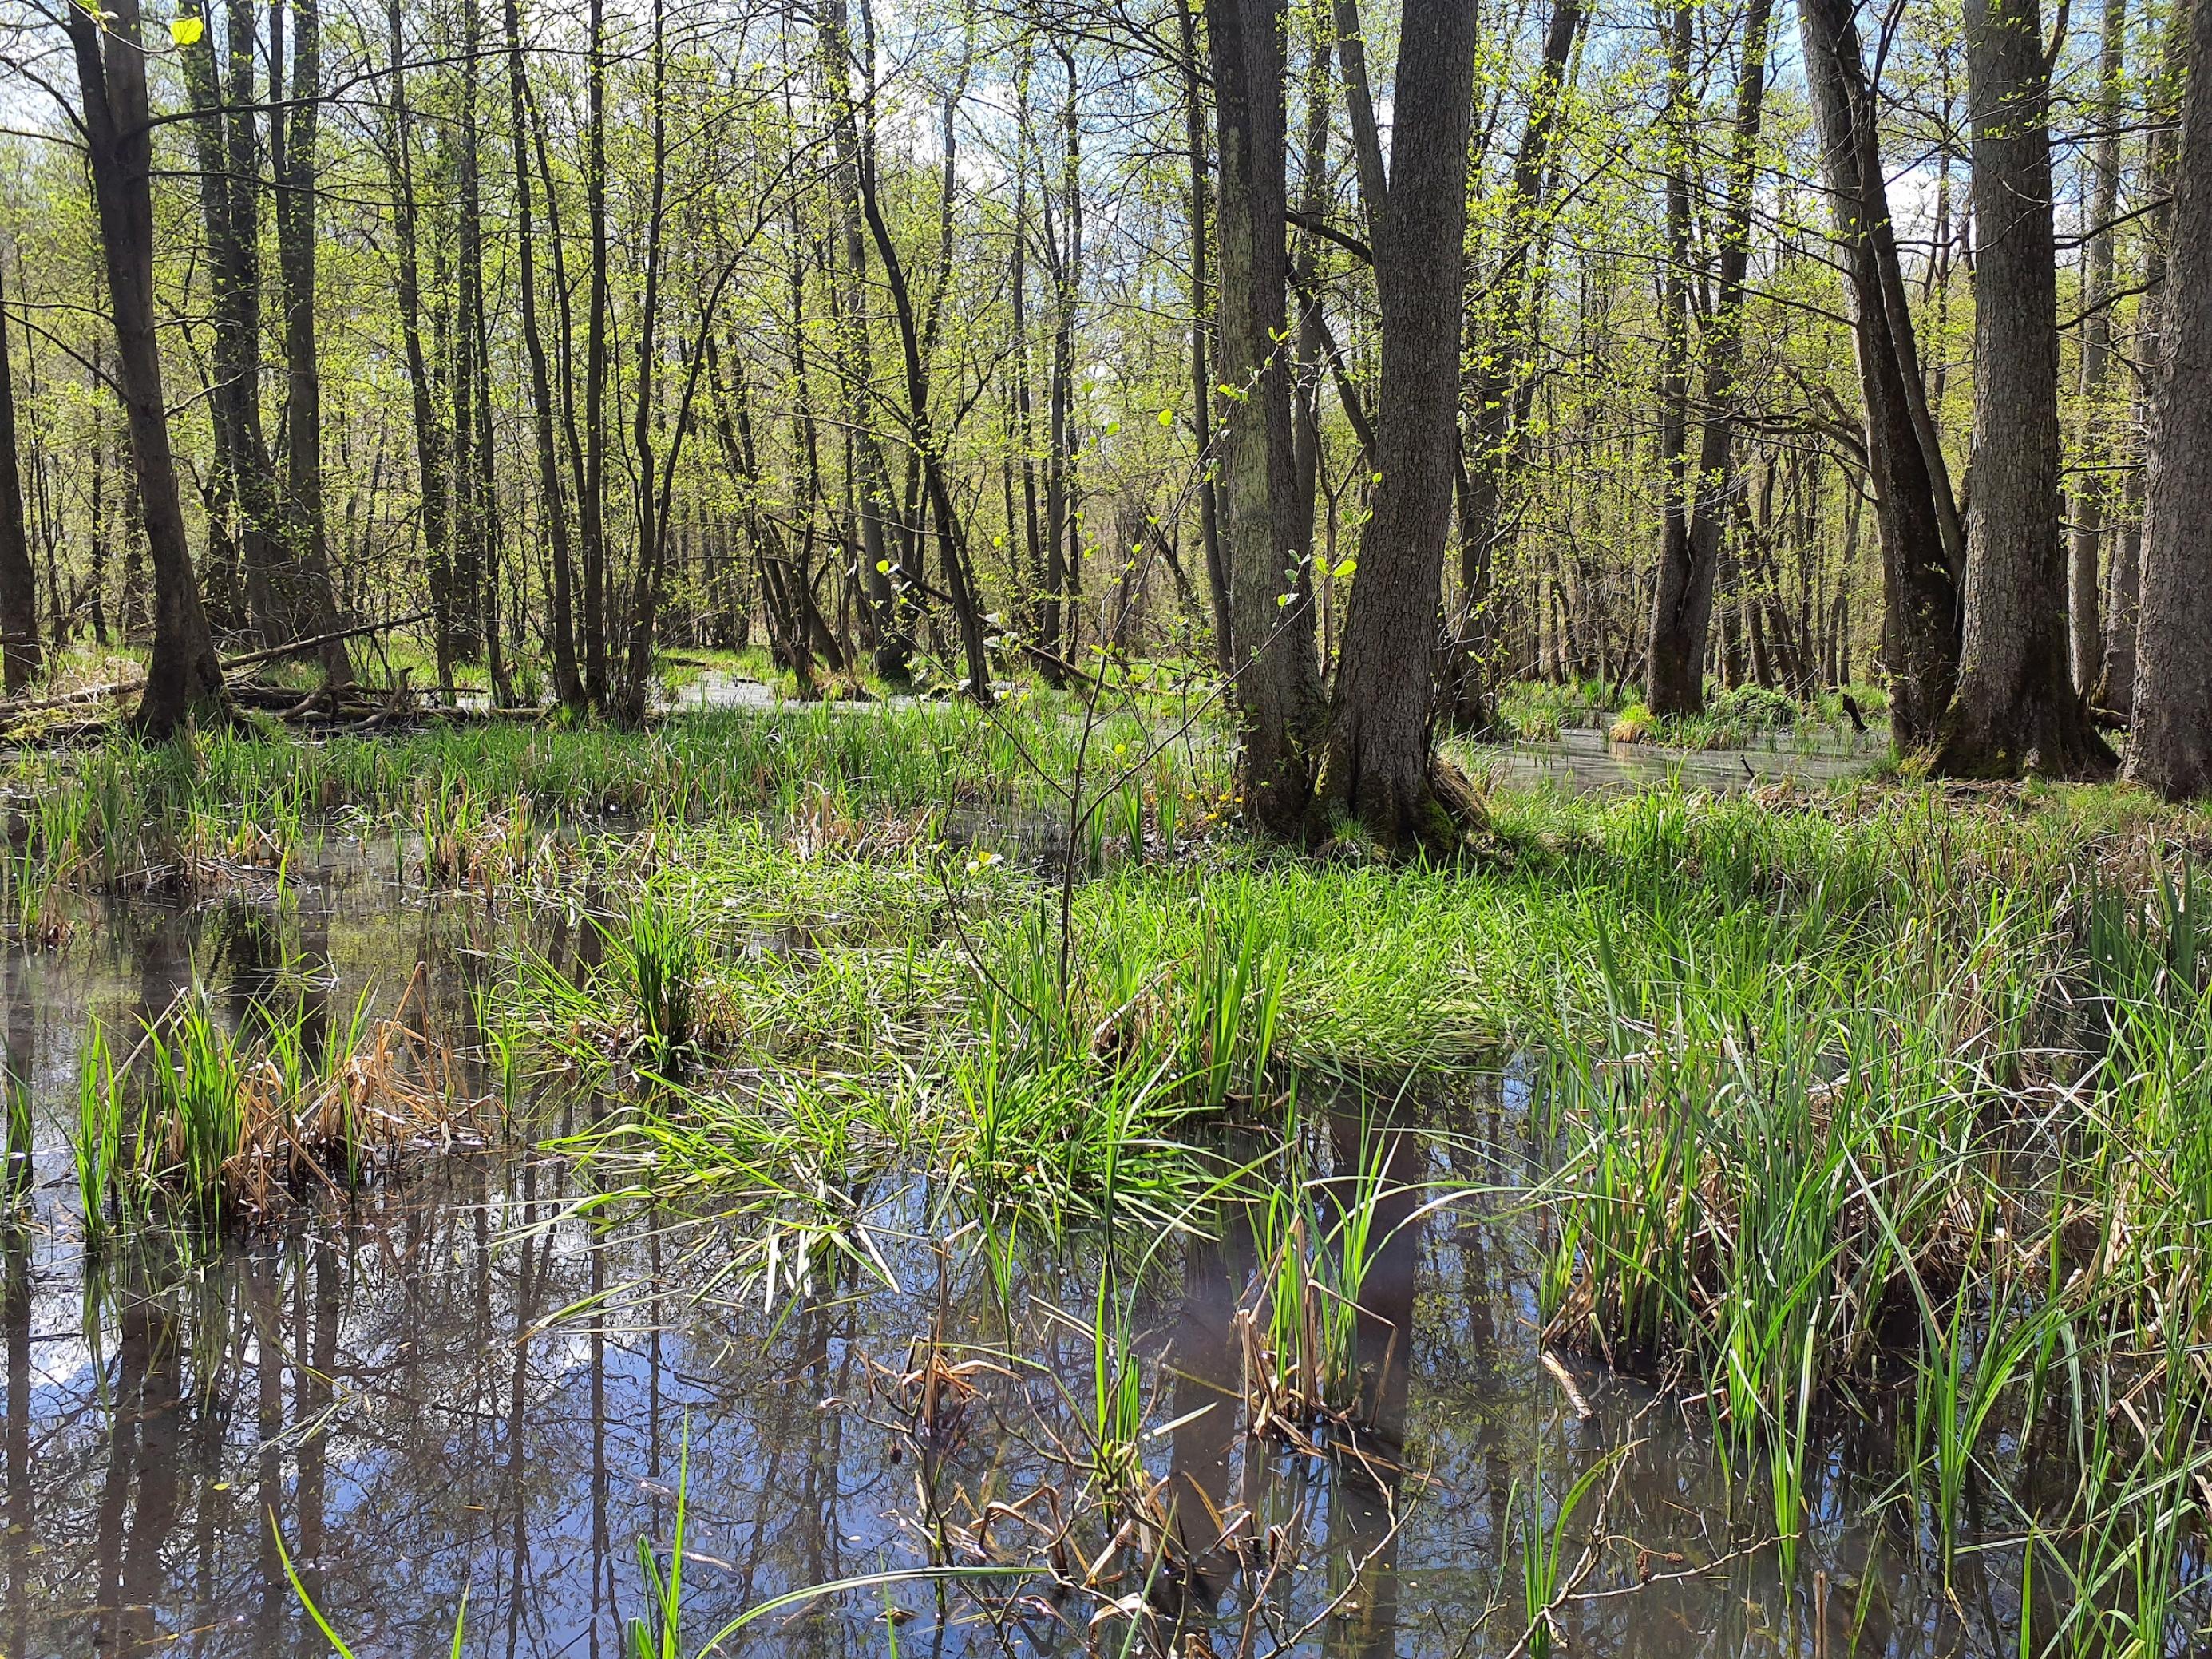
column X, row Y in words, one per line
column 459, row 1384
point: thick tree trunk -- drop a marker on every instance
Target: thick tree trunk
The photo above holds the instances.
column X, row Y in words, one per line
column 2015, row 710
column 184, row 674
column 18, row 583
column 1914, row 511
column 1682, row 606
column 312, row 603
column 1377, row 765
column 1276, row 679
column 2172, row 751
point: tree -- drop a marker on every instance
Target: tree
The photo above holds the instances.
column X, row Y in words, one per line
column 1916, row 516
column 19, row 584
column 184, row 676
column 2084, row 541
column 1699, row 506
column 1276, row 680
column 1377, row 763
column 2173, row 731
column 2015, row 710
column 312, row 604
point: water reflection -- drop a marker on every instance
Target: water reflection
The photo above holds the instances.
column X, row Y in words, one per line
column 461, row 1384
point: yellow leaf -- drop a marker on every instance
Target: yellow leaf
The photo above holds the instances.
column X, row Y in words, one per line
column 185, row 30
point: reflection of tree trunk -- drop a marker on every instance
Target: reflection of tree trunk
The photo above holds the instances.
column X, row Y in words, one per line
column 1207, row 1358
column 1364, row 1530
column 22, row 1499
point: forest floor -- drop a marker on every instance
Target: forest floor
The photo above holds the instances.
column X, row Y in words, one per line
column 1863, row 1129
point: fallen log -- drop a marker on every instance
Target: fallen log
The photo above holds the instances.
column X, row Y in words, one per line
column 12, row 709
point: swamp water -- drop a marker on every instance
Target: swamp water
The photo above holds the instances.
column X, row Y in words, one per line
column 455, row 1383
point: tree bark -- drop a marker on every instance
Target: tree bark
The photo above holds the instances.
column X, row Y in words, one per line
column 591, row 512
column 310, row 607
column 1503, row 389
column 1682, row 606
column 2085, row 544
column 888, row 588
column 2015, row 710
column 18, row 583
column 183, row 675
column 2172, row 751
column 429, row 437
column 568, row 681
column 1914, row 510
column 1376, row 768
column 1276, row 680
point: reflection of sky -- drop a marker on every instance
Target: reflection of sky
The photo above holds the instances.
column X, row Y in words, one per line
column 419, row 1357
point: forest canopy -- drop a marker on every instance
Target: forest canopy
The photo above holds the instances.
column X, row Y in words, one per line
column 958, row 345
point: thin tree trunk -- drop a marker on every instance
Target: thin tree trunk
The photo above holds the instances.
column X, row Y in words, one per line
column 313, row 605
column 18, row 583
column 592, row 510
column 429, row 436
column 1276, row 679
column 2086, row 631
column 568, row 681
column 1201, row 379
column 1682, row 609
column 888, row 583
column 1377, row 766
column 2172, row 752
column 2015, row 710
column 1912, row 500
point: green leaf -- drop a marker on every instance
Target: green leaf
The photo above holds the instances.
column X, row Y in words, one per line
column 1167, row 417
column 1347, row 566
column 186, row 30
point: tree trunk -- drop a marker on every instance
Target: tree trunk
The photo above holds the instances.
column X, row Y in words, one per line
column 1913, row 505
column 2172, row 751
column 1503, row 387
column 184, row 674
column 887, row 583
column 2015, row 710
column 1376, row 768
column 310, row 607
column 568, row 681
column 2086, row 632
column 1276, row 680
column 18, row 583
column 1198, row 214
column 591, row 512
column 1682, row 606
